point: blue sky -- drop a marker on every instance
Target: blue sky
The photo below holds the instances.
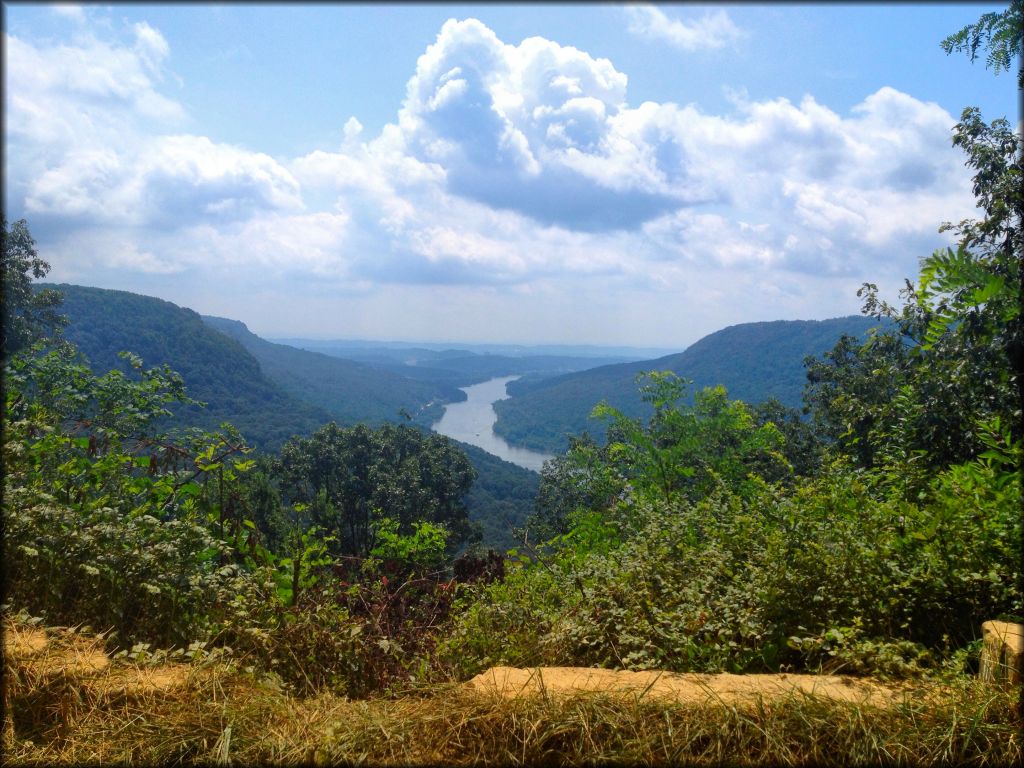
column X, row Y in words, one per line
column 491, row 173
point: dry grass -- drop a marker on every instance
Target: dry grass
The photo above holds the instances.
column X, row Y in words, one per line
column 64, row 706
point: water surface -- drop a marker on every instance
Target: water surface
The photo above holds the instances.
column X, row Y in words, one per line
column 472, row 422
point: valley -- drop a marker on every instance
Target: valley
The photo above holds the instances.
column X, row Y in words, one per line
column 509, row 407
column 550, row 384
column 472, row 421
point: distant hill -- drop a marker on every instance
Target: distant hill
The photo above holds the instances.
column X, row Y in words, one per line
column 754, row 361
column 217, row 370
column 351, row 392
column 460, row 367
column 346, row 347
column 246, row 389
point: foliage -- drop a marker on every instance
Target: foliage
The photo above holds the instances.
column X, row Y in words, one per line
column 218, row 370
column 254, row 385
column 913, row 396
column 689, row 451
column 260, row 501
column 753, row 361
column 728, row 581
column 422, row 551
column 506, row 622
column 681, row 452
column 801, row 447
column 999, row 33
column 500, row 499
column 354, row 478
column 27, row 316
column 581, row 479
column 107, row 522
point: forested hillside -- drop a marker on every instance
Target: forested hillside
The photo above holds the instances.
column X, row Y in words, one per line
column 351, row 392
column 217, row 370
column 501, row 498
column 753, row 361
column 460, row 367
column 271, row 392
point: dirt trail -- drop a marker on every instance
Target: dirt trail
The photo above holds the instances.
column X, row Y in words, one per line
column 688, row 688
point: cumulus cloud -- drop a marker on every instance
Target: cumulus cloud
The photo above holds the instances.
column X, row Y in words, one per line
column 163, row 182
column 529, row 128
column 546, row 131
column 714, row 29
column 508, row 166
column 90, row 145
column 69, row 11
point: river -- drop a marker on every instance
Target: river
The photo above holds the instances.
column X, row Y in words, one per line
column 472, row 422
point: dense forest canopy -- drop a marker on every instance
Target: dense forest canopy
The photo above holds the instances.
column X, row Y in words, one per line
column 755, row 362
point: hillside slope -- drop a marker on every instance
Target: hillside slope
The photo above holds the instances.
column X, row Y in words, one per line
column 754, row 361
column 459, row 367
column 351, row 392
column 217, row 370
column 263, row 398
column 501, row 498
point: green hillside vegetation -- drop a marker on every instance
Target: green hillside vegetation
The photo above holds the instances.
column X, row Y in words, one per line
column 217, row 370
column 755, row 362
column 459, row 367
column 351, row 392
column 271, row 392
column 501, row 499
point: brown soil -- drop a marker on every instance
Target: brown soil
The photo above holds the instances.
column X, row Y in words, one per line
column 510, row 682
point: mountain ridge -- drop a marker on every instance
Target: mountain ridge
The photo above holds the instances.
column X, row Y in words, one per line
column 754, row 361
column 217, row 369
column 349, row 390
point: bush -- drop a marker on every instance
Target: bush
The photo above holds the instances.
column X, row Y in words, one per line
column 108, row 524
column 761, row 581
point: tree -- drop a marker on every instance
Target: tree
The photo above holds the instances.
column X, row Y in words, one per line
column 999, row 33
column 919, row 393
column 582, row 478
column 106, row 521
column 688, row 451
column 27, row 315
column 682, row 453
column 986, row 284
column 351, row 479
column 801, row 447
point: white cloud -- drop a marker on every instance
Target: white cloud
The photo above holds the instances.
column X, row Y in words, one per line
column 508, row 168
column 69, row 11
column 89, row 141
column 150, row 46
column 166, row 181
column 62, row 98
column 714, row 29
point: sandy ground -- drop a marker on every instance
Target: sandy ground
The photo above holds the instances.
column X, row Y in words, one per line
column 685, row 688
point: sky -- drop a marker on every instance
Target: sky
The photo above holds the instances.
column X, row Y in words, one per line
column 510, row 173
